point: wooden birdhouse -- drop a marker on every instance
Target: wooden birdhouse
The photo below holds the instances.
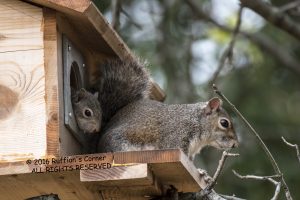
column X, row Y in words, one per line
column 47, row 47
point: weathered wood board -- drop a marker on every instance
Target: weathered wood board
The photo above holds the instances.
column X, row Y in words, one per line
column 20, row 27
column 99, row 37
column 22, row 82
column 119, row 176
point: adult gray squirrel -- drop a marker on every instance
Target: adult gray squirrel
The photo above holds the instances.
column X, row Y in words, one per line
column 132, row 121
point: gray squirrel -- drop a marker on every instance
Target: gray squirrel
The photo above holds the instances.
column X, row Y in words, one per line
column 130, row 120
column 119, row 84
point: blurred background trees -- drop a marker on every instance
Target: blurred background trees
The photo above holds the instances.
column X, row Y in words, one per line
column 183, row 42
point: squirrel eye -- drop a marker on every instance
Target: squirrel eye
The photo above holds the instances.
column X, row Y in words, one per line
column 87, row 112
column 224, row 123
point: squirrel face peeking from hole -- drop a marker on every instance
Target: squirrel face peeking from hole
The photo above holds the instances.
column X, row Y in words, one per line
column 87, row 111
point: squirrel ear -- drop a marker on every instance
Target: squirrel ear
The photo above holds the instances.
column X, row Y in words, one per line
column 96, row 94
column 79, row 95
column 213, row 105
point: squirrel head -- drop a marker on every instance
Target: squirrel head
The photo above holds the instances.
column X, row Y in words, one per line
column 220, row 131
column 87, row 111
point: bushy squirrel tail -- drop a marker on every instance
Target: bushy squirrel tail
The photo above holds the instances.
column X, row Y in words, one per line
column 121, row 83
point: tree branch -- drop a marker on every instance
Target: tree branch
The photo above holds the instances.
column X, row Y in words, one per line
column 262, row 144
column 264, row 178
column 264, row 43
column 228, row 53
column 292, row 145
column 208, row 193
column 281, row 55
column 209, row 188
column 220, row 167
column 116, row 11
column 138, row 26
column 274, row 16
column 289, row 6
column 231, row 197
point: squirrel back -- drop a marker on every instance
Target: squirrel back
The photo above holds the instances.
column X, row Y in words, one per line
column 148, row 124
column 119, row 84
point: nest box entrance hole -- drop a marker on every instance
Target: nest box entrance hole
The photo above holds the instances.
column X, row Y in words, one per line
column 74, row 78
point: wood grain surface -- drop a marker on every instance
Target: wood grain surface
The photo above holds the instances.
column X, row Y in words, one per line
column 22, row 82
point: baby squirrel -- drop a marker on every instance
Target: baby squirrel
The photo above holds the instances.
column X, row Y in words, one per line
column 132, row 121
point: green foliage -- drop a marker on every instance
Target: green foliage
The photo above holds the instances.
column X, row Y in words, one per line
column 219, row 35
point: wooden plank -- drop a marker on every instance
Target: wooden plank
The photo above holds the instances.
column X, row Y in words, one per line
column 64, row 5
column 133, row 181
column 107, row 32
column 20, row 26
column 18, row 167
column 99, row 37
column 153, row 156
column 22, row 82
column 57, row 164
column 51, row 85
column 22, row 125
column 170, row 167
column 66, row 184
column 131, row 175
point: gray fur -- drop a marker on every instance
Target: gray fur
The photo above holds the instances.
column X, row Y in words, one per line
column 82, row 100
column 120, row 83
column 146, row 123
column 134, row 122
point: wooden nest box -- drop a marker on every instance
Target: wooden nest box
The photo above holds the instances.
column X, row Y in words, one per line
column 47, row 47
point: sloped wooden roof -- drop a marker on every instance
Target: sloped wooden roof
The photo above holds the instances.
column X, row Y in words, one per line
column 91, row 25
column 94, row 29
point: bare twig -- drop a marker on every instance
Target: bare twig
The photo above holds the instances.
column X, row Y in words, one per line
column 274, row 16
column 116, row 11
column 138, row 26
column 264, row 178
column 220, row 167
column 262, row 144
column 292, row 145
column 289, row 6
column 208, row 193
column 233, row 197
column 213, row 182
column 228, row 53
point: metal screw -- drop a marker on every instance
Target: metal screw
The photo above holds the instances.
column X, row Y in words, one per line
column 83, row 65
column 69, row 48
column 70, row 114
